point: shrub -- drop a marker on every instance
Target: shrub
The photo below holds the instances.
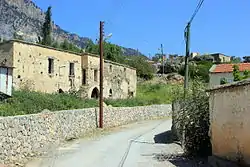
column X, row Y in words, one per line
column 28, row 102
column 148, row 94
column 223, row 81
column 194, row 120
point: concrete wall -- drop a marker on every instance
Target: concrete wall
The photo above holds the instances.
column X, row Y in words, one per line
column 230, row 123
column 23, row 137
column 31, row 68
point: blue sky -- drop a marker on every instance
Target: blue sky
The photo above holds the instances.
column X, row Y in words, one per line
column 220, row 26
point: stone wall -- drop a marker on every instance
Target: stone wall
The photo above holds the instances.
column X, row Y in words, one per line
column 27, row 136
column 119, row 80
column 229, row 121
column 176, row 126
column 46, row 69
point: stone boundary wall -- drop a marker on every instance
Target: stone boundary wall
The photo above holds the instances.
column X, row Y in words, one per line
column 27, row 136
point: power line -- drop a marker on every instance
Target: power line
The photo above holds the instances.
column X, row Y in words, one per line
column 196, row 10
column 187, row 41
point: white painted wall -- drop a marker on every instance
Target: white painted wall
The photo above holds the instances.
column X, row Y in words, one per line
column 6, row 80
column 214, row 78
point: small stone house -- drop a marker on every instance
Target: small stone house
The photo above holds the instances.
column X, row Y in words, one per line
column 46, row 69
column 220, row 58
column 220, row 71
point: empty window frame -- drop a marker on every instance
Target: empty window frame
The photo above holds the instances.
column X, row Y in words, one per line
column 84, row 76
column 50, row 65
column 110, row 68
column 95, row 75
column 71, row 69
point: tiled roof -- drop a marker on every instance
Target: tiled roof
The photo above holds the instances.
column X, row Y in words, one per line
column 223, row 68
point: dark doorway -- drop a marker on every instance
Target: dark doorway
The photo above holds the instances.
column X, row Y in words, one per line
column 95, row 93
column 60, row 91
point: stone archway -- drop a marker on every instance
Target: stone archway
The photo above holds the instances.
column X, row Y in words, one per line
column 95, row 93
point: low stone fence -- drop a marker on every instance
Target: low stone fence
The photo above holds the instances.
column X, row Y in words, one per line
column 27, row 136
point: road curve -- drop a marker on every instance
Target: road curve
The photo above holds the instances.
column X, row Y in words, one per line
column 135, row 145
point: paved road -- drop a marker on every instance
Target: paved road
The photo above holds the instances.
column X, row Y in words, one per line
column 144, row 144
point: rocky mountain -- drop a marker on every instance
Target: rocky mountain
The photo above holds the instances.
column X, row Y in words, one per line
column 25, row 19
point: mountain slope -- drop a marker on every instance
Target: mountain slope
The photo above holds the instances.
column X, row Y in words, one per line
column 26, row 19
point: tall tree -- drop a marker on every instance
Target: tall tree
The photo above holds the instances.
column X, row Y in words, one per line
column 47, row 28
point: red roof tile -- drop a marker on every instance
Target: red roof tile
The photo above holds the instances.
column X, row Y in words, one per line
column 221, row 68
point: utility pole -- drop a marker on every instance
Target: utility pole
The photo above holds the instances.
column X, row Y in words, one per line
column 101, row 75
column 187, row 40
column 162, row 55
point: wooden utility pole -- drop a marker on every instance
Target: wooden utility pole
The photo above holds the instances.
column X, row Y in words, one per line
column 187, row 40
column 162, row 55
column 101, row 75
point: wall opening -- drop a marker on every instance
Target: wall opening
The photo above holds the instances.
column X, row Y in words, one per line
column 95, row 93
column 130, row 94
column 51, row 65
column 110, row 68
column 110, row 92
column 60, row 91
column 71, row 69
column 84, row 77
column 95, row 75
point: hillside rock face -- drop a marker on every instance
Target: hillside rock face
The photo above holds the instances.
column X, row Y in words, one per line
column 26, row 19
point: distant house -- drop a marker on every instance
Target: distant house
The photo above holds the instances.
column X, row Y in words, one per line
column 194, row 54
column 246, row 59
column 220, row 71
column 220, row 58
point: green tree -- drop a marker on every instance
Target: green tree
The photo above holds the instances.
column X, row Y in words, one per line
column 65, row 45
column 236, row 59
column 236, row 73
column 92, row 48
column 56, row 45
column 223, row 81
column 143, row 68
column 47, row 28
column 246, row 74
column 200, row 69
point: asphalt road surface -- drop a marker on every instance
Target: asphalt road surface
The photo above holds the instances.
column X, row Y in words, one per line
column 144, row 144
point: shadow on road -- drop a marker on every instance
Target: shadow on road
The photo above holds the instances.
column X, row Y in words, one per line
column 181, row 161
column 165, row 138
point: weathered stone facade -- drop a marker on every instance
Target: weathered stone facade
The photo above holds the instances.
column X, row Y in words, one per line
column 27, row 136
column 45, row 69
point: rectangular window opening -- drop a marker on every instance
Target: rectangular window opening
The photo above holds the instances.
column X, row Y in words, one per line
column 71, row 69
column 51, row 66
column 110, row 68
column 95, row 75
column 84, row 76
